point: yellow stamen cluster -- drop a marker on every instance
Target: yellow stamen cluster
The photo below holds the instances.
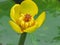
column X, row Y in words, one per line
column 25, row 21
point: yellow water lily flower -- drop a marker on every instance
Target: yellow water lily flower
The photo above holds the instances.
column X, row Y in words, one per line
column 22, row 17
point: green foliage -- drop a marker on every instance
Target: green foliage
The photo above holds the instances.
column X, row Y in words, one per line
column 47, row 34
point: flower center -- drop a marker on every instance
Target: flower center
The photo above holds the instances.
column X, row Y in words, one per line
column 26, row 21
column 27, row 18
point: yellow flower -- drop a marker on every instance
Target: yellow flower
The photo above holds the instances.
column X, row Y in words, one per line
column 22, row 17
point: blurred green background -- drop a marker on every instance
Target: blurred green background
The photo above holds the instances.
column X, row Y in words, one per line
column 47, row 34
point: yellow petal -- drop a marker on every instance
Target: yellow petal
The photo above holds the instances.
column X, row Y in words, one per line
column 40, row 19
column 28, row 0
column 15, row 27
column 31, row 29
column 15, row 12
column 29, row 7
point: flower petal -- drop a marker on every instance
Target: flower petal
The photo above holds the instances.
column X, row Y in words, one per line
column 31, row 29
column 29, row 7
column 28, row 0
column 15, row 12
column 41, row 19
column 15, row 27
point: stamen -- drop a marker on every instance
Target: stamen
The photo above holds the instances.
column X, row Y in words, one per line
column 27, row 18
column 25, row 21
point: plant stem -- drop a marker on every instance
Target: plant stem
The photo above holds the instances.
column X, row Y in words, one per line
column 22, row 38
